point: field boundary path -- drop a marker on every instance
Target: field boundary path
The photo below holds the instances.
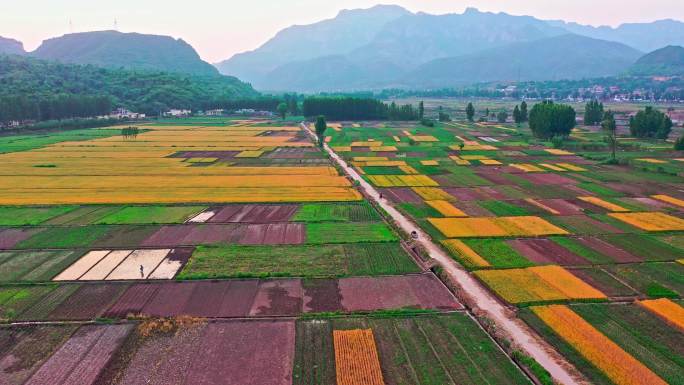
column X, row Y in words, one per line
column 519, row 333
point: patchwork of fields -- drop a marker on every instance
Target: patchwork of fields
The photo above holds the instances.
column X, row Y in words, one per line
column 589, row 254
column 217, row 250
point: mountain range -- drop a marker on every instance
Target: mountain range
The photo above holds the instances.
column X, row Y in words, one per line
column 113, row 49
column 388, row 46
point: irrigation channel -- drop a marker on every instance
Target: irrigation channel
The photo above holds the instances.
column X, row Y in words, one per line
column 519, row 333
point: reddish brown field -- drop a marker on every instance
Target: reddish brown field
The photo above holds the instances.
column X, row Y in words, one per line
column 202, row 234
column 88, row 302
column 421, row 291
column 254, row 214
column 401, row 195
column 278, row 297
column 11, row 237
column 545, row 252
column 322, row 295
column 83, row 357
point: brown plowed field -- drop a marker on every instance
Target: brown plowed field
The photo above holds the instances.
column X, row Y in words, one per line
column 545, row 251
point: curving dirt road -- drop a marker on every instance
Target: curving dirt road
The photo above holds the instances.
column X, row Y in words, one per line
column 516, row 330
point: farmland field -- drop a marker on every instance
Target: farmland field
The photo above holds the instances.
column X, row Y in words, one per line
column 235, row 251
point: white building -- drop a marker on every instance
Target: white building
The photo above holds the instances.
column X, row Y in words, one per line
column 122, row 113
column 176, row 113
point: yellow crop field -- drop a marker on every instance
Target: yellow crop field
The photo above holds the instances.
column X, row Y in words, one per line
column 527, row 167
column 669, row 199
column 429, row 163
column 555, row 151
column 568, row 284
column 666, row 309
column 538, row 284
column 408, row 170
column 402, row 180
column 604, row 204
column 249, row 154
column 651, row 221
column 457, row 247
column 652, row 160
column 142, row 170
column 356, row 358
column 618, row 365
column 432, row 193
column 460, row 161
column 571, row 167
column 518, row 286
column 553, row 167
column 524, row 226
column 490, row 162
column 445, row 208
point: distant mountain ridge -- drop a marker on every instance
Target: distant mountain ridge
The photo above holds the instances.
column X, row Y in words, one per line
column 667, row 61
column 112, row 49
column 11, row 46
column 407, row 47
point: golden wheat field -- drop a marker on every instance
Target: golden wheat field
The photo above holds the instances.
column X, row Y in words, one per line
column 144, row 169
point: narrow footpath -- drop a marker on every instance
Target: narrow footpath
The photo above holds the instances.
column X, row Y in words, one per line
column 516, row 330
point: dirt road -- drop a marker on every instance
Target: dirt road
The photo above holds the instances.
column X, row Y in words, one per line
column 516, row 330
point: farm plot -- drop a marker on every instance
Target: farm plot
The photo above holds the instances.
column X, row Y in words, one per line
column 24, row 349
column 303, row 261
column 146, row 171
column 28, row 216
column 612, row 344
column 99, row 265
column 538, row 284
column 34, row 266
column 412, row 350
column 652, row 279
column 150, row 215
column 238, row 352
column 83, row 357
column 245, row 234
column 495, row 227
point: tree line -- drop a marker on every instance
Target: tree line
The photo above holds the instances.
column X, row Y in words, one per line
column 353, row 108
column 58, row 107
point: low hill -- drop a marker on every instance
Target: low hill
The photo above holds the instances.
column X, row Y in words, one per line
column 112, row 49
column 141, row 91
column 11, row 46
column 562, row 57
column 668, row 61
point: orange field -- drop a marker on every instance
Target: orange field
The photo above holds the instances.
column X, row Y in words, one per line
column 621, row 367
column 666, row 309
column 604, row 204
column 446, row 208
column 356, row 358
column 523, row 226
column 655, row 221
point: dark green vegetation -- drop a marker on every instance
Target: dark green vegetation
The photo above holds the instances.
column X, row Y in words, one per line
column 339, row 212
column 112, row 49
column 649, row 339
column 650, row 123
column 350, row 108
column 24, row 216
column 298, row 261
column 667, row 61
column 141, row 91
column 548, row 120
column 29, row 142
column 150, row 214
column 322, row 233
column 429, row 349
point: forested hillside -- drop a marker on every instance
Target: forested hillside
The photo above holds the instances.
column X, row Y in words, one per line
column 143, row 91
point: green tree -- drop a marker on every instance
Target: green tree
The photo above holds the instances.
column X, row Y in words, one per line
column 523, row 112
column 548, row 120
column 444, row 117
column 593, row 113
column 282, row 110
column 502, row 116
column 679, row 144
column 421, row 110
column 517, row 118
column 321, row 126
column 650, row 123
column 470, row 112
column 610, row 130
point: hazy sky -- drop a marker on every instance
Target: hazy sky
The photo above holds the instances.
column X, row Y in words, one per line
column 218, row 29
